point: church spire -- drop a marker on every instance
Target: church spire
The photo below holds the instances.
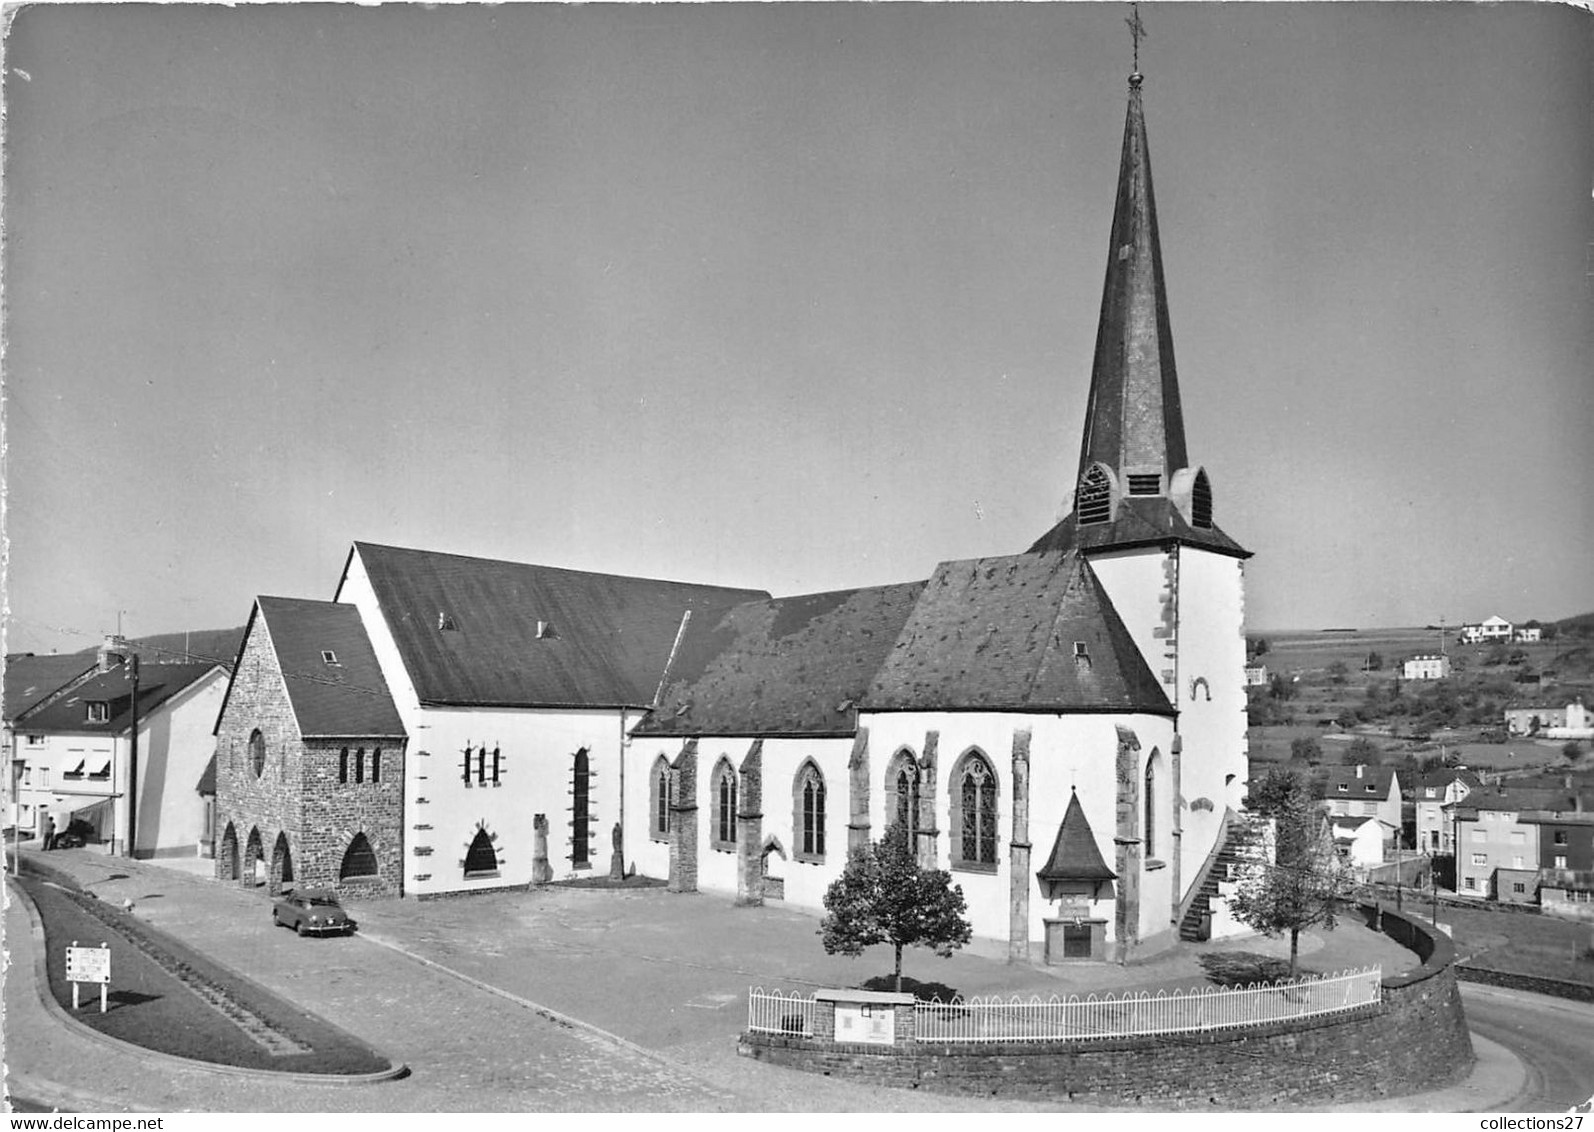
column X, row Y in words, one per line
column 1134, row 485
column 1133, row 424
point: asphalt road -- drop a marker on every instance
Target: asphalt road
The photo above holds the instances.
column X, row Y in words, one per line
column 1553, row 1037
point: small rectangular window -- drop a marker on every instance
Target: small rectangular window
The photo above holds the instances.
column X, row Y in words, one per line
column 1560, row 837
column 1518, row 886
column 376, row 764
column 1560, row 862
column 1480, row 858
column 99, row 711
column 35, row 740
column 329, row 657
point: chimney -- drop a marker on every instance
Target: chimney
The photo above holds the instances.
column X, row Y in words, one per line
column 1360, row 767
column 113, row 652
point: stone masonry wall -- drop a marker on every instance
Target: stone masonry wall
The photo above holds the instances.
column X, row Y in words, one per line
column 1414, row 1038
column 333, row 812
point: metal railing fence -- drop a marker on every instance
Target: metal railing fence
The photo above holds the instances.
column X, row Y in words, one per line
column 778, row 1013
column 1143, row 1013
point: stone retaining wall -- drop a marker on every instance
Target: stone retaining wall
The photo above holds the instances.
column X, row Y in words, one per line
column 1538, row 984
column 1414, row 1038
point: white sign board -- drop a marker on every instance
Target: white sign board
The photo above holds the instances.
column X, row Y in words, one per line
column 863, row 1022
column 88, row 964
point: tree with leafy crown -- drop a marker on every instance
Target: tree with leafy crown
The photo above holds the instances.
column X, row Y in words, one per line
column 1307, row 880
column 883, row 896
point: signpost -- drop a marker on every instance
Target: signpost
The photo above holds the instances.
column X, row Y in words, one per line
column 89, row 965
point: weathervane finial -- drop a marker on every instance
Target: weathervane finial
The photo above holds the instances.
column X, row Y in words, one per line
column 1137, row 30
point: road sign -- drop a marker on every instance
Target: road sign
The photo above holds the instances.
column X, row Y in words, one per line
column 88, row 965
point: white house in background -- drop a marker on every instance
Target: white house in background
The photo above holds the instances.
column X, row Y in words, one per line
column 1256, row 675
column 1489, row 629
column 1426, row 668
column 1530, row 633
column 28, row 681
column 1579, row 723
column 79, row 760
column 1365, row 841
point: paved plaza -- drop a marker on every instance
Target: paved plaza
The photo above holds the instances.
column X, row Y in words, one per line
column 549, row 999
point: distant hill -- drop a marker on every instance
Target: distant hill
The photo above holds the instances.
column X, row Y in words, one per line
column 1580, row 626
column 220, row 645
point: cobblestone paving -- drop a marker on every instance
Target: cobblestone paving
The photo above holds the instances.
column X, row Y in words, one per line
column 664, row 975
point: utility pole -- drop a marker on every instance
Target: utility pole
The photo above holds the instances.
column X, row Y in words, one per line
column 132, row 760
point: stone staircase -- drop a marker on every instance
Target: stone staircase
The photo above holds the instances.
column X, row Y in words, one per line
column 1238, row 839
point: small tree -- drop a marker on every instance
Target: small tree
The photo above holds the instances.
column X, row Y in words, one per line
column 1572, row 750
column 1363, row 752
column 1337, row 672
column 1304, row 885
column 1307, row 750
column 1272, row 790
column 883, row 896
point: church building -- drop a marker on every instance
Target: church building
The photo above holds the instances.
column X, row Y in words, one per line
column 1063, row 729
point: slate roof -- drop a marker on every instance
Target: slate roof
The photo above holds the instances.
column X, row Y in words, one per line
column 348, row 698
column 1143, row 520
column 1333, row 777
column 1134, row 417
column 607, row 642
column 1000, row 634
column 1075, row 854
column 1555, row 799
column 207, row 778
column 783, row 666
column 29, row 679
column 157, row 683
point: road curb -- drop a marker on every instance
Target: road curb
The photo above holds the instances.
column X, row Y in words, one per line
column 41, row 983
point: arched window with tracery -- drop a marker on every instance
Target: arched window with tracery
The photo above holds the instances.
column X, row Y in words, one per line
column 974, row 814
column 724, row 805
column 808, row 816
column 902, row 793
column 659, row 799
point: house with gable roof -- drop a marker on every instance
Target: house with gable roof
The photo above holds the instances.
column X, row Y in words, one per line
column 28, row 681
column 110, row 750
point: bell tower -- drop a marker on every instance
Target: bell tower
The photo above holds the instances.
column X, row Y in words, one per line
column 1142, row 517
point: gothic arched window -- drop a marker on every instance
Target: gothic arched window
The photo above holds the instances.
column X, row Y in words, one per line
column 724, row 806
column 580, row 808
column 808, row 818
column 359, row 859
column 257, row 752
column 974, row 837
column 1201, row 501
column 659, row 799
column 1150, row 804
column 481, row 859
column 902, row 790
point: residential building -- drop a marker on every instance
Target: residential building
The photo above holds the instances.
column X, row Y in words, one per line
column 119, row 753
column 1529, row 633
column 1431, row 825
column 1352, row 794
column 1426, row 668
column 1501, row 833
column 1533, row 720
column 29, row 681
column 1256, row 676
column 1087, row 694
column 1490, row 629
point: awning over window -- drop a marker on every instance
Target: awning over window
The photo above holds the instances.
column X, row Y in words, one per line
column 96, row 815
column 75, row 772
column 104, row 771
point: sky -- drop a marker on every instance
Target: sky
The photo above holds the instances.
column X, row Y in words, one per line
column 797, row 297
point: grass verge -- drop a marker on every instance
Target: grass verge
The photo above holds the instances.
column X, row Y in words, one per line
column 165, row 996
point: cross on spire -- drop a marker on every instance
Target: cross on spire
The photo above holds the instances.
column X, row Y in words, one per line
column 1137, row 31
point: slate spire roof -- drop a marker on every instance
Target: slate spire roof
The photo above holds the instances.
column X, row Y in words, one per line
column 1134, row 419
column 1075, row 855
column 1134, row 422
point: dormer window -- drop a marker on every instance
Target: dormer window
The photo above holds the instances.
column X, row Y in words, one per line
column 445, row 623
column 99, row 711
column 1343, row 788
column 329, row 657
column 1372, row 789
column 1094, row 503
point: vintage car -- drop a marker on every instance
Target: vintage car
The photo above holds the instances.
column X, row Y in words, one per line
column 313, row 910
